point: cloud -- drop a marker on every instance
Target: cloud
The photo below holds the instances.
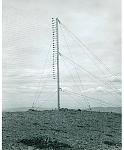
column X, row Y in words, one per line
column 100, row 89
column 93, row 90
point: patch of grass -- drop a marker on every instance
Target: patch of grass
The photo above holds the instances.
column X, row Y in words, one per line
column 91, row 139
column 57, row 130
column 109, row 135
column 46, row 123
column 79, row 110
column 43, row 142
column 81, row 126
column 109, row 143
column 109, row 126
column 36, row 124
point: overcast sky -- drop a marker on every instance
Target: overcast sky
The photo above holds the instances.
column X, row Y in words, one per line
column 27, row 36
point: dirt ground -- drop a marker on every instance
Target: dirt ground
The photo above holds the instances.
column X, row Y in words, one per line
column 59, row 130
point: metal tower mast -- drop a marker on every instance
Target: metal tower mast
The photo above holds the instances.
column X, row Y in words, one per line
column 56, row 54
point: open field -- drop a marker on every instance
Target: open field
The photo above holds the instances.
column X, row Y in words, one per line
column 66, row 129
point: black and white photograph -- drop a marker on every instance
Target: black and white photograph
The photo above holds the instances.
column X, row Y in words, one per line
column 61, row 75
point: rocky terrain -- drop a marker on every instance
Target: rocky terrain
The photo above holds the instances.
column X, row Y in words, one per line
column 61, row 130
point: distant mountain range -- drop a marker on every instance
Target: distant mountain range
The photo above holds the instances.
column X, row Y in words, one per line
column 107, row 109
column 100, row 109
column 19, row 109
